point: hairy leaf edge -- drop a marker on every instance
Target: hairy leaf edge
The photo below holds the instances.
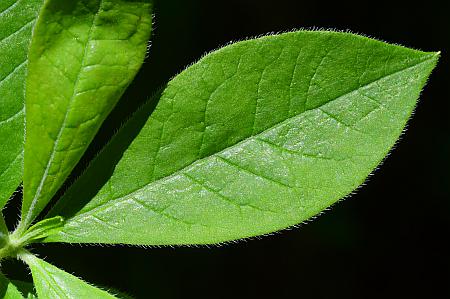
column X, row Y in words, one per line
column 432, row 56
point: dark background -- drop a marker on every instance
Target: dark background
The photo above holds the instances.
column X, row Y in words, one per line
column 387, row 241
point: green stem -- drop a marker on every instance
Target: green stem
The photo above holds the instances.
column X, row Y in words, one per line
column 12, row 244
column 8, row 248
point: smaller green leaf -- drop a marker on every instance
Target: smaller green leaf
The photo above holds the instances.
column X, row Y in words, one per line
column 26, row 288
column 53, row 283
column 8, row 290
column 3, row 227
column 40, row 230
column 4, row 236
column 82, row 57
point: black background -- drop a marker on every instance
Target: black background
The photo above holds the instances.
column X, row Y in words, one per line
column 387, row 241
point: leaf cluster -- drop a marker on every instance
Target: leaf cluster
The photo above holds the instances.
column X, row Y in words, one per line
column 255, row 137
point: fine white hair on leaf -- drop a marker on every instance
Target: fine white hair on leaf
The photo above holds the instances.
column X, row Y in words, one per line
column 19, row 190
column 149, row 43
column 273, row 34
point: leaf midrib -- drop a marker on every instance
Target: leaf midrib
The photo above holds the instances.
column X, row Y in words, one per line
column 112, row 201
column 29, row 215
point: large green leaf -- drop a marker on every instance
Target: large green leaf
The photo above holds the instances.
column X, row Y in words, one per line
column 53, row 283
column 16, row 21
column 83, row 55
column 8, row 290
column 255, row 137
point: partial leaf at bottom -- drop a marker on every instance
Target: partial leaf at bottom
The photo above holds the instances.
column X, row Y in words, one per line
column 26, row 288
column 8, row 290
column 256, row 137
column 53, row 283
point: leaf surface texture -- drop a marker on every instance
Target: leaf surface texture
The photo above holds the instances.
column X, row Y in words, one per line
column 255, row 137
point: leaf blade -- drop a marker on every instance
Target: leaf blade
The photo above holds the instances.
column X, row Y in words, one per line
column 90, row 50
column 25, row 288
column 54, row 283
column 330, row 106
column 8, row 290
column 16, row 21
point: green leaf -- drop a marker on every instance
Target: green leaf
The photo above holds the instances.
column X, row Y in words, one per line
column 16, row 21
column 39, row 231
column 53, row 283
column 8, row 290
column 83, row 55
column 25, row 288
column 4, row 236
column 256, row 137
column 3, row 228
